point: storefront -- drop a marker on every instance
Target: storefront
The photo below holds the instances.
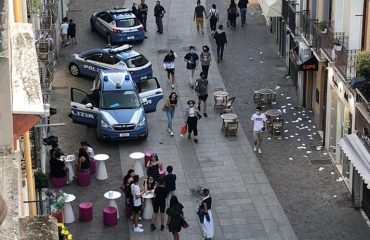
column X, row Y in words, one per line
column 340, row 122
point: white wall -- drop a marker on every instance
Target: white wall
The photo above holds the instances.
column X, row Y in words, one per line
column 355, row 24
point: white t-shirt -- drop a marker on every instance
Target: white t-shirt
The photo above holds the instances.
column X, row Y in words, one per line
column 135, row 190
column 90, row 153
column 64, row 28
column 258, row 121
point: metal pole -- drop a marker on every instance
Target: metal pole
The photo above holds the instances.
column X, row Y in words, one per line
column 29, row 173
column 17, row 7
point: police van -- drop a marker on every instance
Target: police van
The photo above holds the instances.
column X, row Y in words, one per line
column 117, row 105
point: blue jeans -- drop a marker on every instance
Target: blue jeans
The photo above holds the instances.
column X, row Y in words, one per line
column 170, row 112
column 243, row 15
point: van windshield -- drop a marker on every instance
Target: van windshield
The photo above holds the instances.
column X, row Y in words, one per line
column 120, row 100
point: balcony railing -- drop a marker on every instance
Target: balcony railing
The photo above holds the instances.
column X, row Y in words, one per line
column 307, row 26
column 363, row 96
column 345, row 62
column 294, row 19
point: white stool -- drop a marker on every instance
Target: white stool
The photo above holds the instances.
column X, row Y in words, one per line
column 148, row 209
column 111, row 196
column 69, row 216
column 101, row 172
column 138, row 157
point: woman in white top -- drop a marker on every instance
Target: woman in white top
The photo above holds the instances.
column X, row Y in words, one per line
column 169, row 66
column 213, row 18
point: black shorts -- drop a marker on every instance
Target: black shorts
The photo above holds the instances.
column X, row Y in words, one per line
column 203, row 97
column 71, row 35
column 170, row 70
column 157, row 206
column 137, row 209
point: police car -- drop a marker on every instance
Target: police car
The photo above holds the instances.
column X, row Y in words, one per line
column 117, row 105
column 90, row 62
column 117, row 25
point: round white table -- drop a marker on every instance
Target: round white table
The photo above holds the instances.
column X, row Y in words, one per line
column 101, row 172
column 226, row 118
column 69, row 159
column 148, row 209
column 69, row 216
column 111, row 196
column 138, row 157
column 220, row 98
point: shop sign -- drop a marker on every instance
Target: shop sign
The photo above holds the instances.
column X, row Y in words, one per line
column 310, row 65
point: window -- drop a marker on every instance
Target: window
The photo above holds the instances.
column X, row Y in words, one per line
column 94, row 57
column 109, row 59
column 120, row 100
column 137, row 61
column 105, row 17
column 128, row 22
column 148, row 85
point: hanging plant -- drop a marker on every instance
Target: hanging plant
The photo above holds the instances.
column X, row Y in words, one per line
column 363, row 64
column 64, row 232
column 337, row 44
column 322, row 26
column 56, row 199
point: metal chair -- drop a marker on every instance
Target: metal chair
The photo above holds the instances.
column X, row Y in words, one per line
column 227, row 107
column 231, row 129
column 277, row 127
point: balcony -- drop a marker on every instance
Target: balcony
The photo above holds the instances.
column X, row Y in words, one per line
column 294, row 19
column 345, row 62
column 307, row 27
column 363, row 96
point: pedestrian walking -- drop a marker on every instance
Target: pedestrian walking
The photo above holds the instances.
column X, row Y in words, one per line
column 71, row 32
column 259, row 125
column 159, row 204
column 205, row 60
column 169, row 108
column 191, row 59
column 170, row 183
column 64, row 31
column 199, row 14
column 153, row 166
column 191, row 119
column 242, row 4
column 213, row 18
column 205, row 207
column 143, row 13
column 136, row 193
column 175, row 216
column 221, row 40
column 201, row 88
column 159, row 12
column 232, row 14
column 169, row 66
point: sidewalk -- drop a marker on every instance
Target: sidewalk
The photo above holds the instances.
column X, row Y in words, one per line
column 244, row 204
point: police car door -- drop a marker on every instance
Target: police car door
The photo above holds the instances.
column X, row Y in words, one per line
column 151, row 91
column 84, row 109
column 92, row 63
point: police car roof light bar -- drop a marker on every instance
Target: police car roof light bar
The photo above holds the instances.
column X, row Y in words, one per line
column 118, row 10
column 122, row 48
column 127, row 77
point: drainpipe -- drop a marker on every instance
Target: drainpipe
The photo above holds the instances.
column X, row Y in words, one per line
column 17, row 8
column 29, row 173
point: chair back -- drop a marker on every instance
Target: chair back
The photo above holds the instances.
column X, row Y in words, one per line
column 277, row 122
column 230, row 102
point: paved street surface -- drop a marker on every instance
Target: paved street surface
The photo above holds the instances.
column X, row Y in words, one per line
column 317, row 205
column 245, row 206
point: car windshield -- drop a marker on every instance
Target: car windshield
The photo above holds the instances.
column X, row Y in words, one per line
column 120, row 100
column 137, row 61
column 128, row 22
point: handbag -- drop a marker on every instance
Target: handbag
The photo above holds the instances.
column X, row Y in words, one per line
column 183, row 130
column 164, row 108
column 184, row 224
column 198, row 116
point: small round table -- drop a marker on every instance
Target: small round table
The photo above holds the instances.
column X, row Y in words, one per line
column 274, row 113
column 68, row 161
column 101, row 172
column 69, row 216
column 227, row 117
column 137, row 157
column 220, row 97
column 111, row 196
column 148, row 210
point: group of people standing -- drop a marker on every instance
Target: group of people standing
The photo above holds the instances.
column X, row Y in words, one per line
column 68, row 32
column 163, row 186
column 141, row 12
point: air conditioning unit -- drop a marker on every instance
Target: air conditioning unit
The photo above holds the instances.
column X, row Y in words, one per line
column 304, row 52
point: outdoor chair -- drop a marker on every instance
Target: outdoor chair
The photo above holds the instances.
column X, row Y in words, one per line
column 219, row 101
column 277, row 127
column 231, row 129
column 227, row 107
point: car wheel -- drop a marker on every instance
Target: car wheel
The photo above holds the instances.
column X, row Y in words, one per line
column 92, row 27
column 74, row 70
column 109, row 39
column 146, row 135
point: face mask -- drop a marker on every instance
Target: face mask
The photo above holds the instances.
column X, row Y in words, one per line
column 192, row 50
column 191, row 105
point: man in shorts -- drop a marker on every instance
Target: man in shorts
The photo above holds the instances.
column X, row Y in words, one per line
column 259, row 125
column 159, row 204
column 198, row 16
column 64, row 31
column 71, row 33
column 201, row 88
column 136, row 193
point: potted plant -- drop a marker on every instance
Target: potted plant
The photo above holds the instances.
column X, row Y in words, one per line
column 56, row 202
column 64, row 233
column 323, row 27
column 363, row 64
column 337, row 44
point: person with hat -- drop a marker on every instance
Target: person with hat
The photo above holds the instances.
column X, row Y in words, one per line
column 205, row 60
column 191, row 119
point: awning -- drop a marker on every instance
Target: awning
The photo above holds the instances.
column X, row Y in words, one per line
column 310, row 65
column 358, row 154
column 271, row 8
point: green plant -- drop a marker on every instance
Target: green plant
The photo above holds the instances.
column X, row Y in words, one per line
column 41, row 180
column 336, row 41
column 64, row 232
column 322, row 26
column 56, row 199
column 363, row 64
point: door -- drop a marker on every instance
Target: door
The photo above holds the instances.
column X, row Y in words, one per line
column 366, row 199
column 84, row 109
column 152, row 92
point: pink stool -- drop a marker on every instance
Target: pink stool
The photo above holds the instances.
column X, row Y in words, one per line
column 83, row 178
column 110, row 216
column 92, row 167
column 86, row 212
column 59, row 182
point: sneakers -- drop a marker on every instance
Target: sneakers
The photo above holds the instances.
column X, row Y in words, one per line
column 152, row 227
column 259, row 150
column 169, row 130
column 162, row 227
column 171, row 134
column 205, row 114
column 255, row 149
column 138, row 229
column 173, row 86
column 196, row 140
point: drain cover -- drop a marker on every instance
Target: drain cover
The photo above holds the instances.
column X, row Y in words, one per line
column 320, row 162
